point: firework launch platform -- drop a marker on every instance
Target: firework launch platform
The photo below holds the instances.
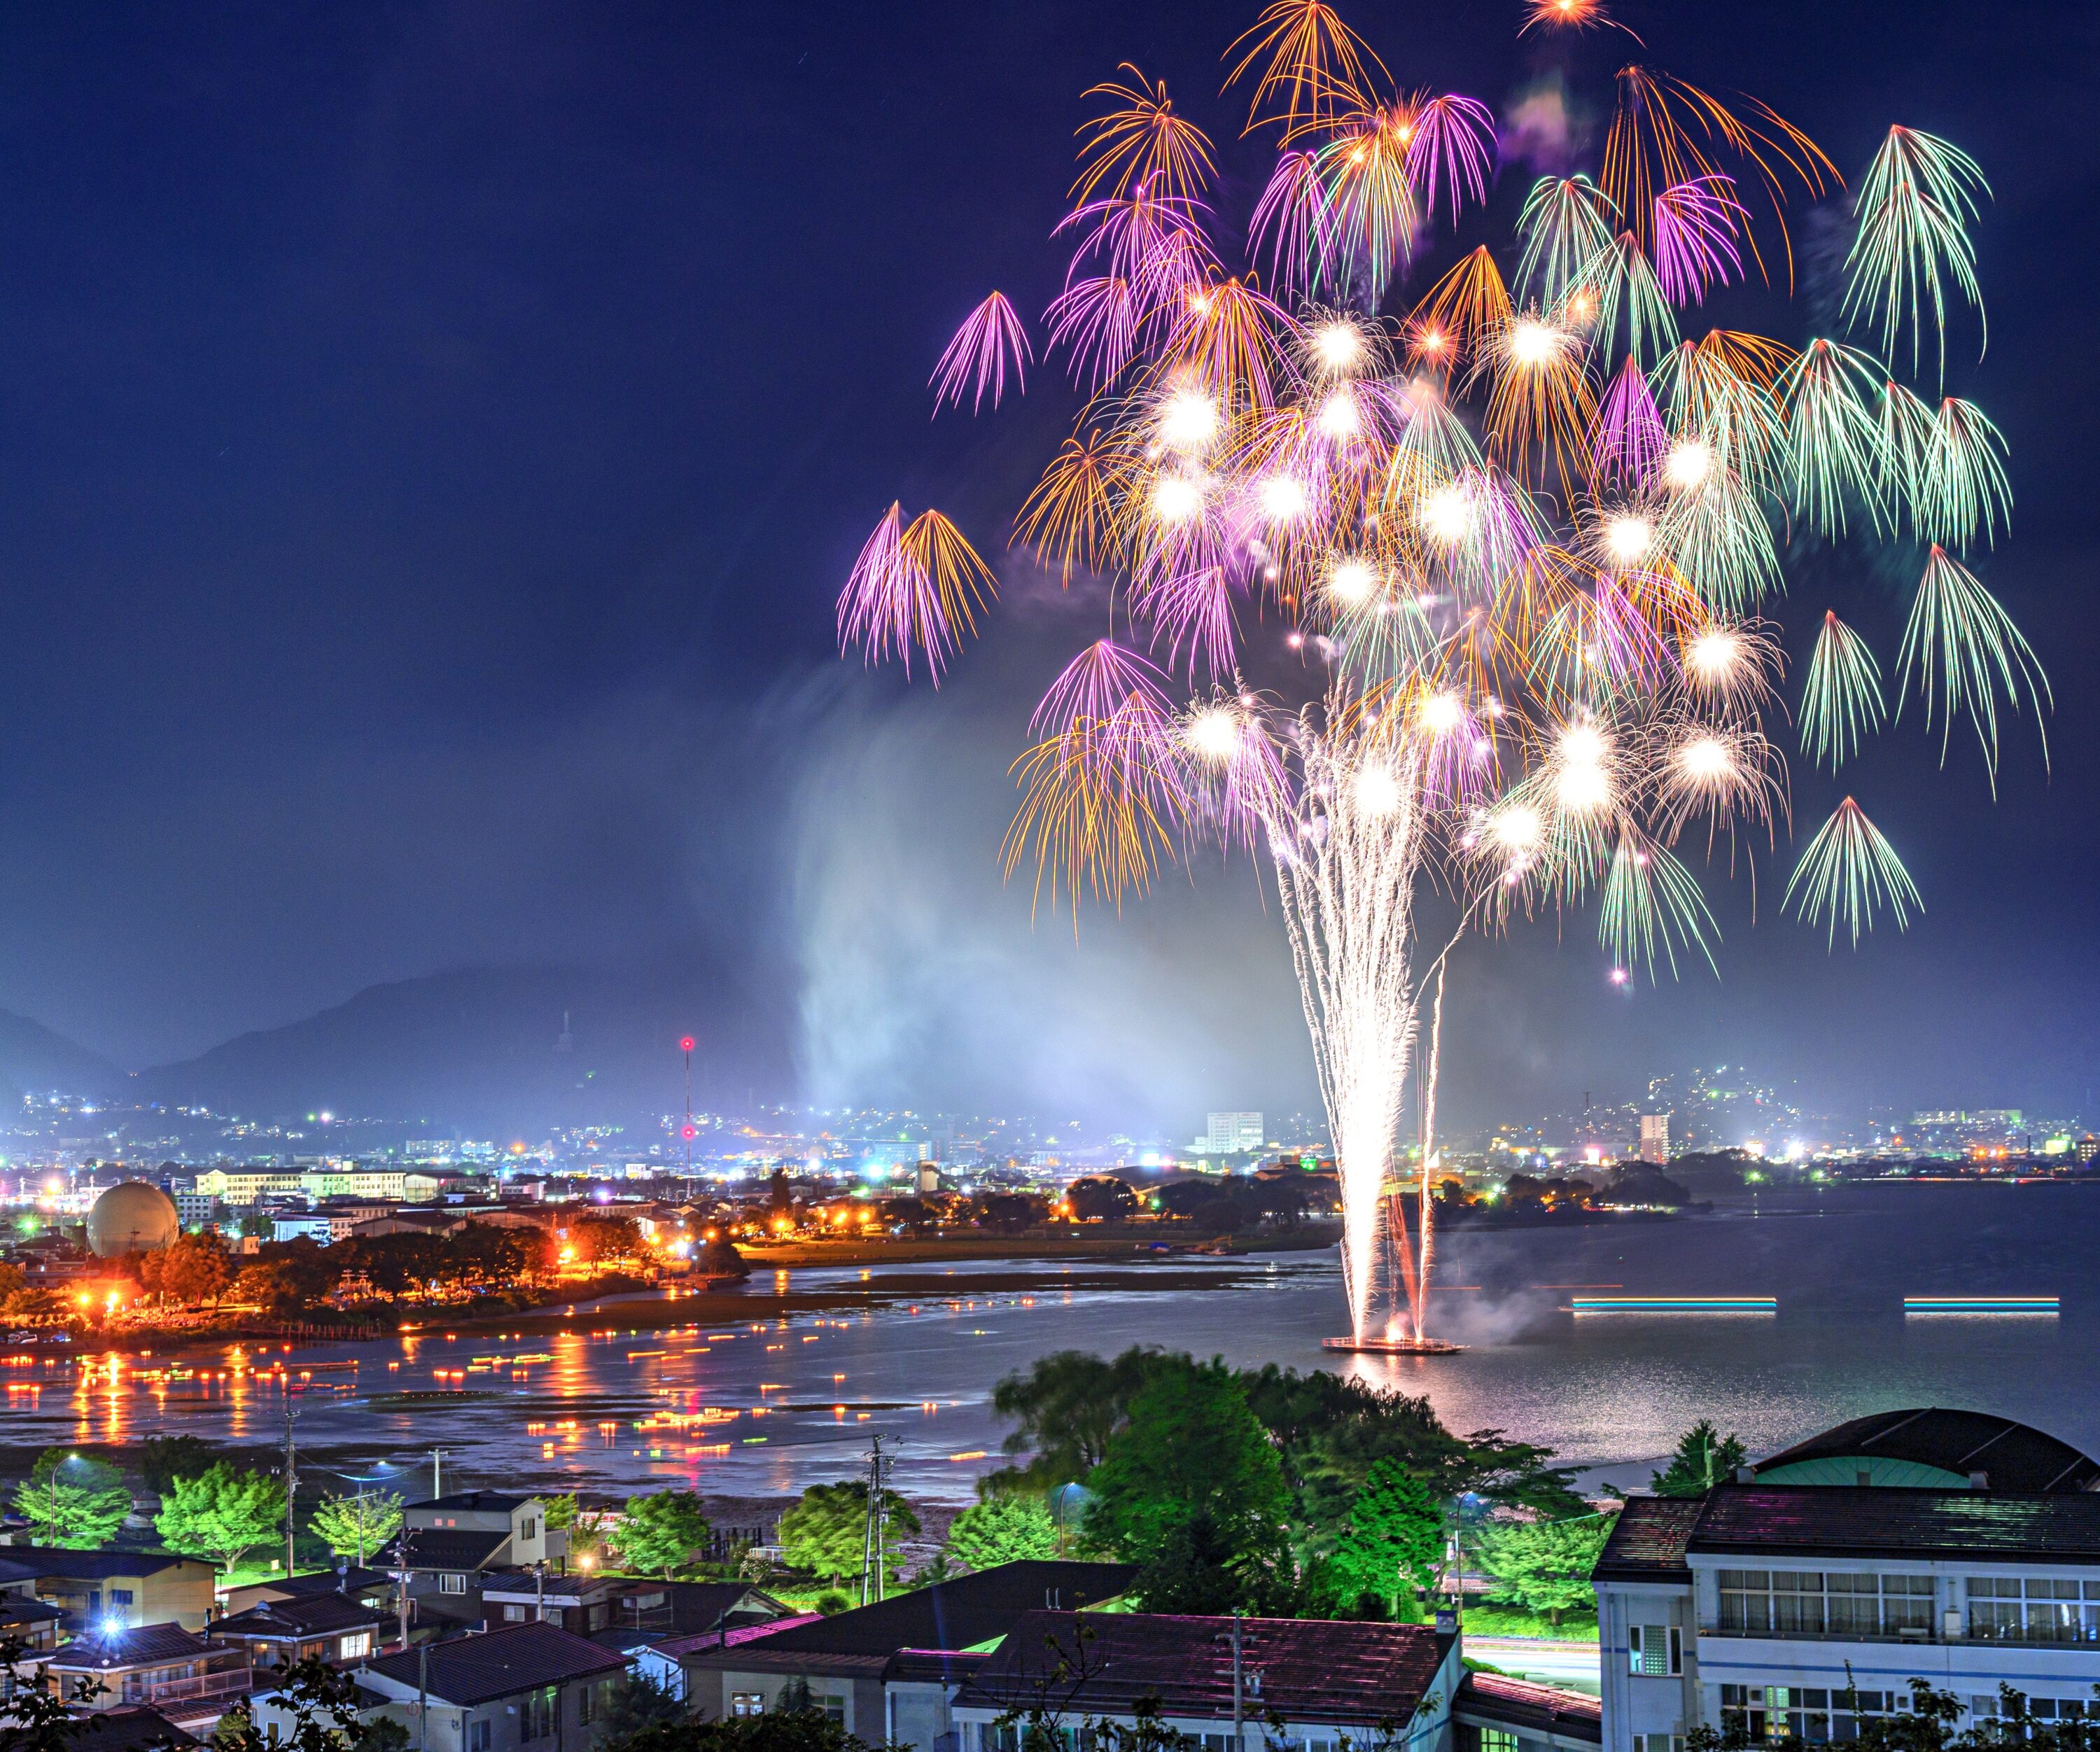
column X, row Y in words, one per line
column 1392, row 1347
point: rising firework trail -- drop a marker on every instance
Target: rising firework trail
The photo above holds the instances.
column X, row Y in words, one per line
column 1522, row 529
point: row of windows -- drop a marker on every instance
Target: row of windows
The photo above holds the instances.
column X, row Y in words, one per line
column 1798, row 1712
column 1810, row 1603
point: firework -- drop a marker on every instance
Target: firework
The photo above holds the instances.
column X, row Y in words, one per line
column 1525, row 538
column 990, row 343
column 1848, row 870
column 1841, row 702
column 1913, row 212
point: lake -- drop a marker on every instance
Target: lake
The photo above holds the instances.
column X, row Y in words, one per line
column 761, row 1409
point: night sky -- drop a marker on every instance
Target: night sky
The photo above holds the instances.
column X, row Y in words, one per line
column 432, row 439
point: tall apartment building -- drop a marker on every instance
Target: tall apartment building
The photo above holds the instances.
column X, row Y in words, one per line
column 1655, row 1138
column 1951, row 1547
column 1233, row 1135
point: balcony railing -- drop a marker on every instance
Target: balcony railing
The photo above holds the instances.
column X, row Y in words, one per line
column 223, row 1683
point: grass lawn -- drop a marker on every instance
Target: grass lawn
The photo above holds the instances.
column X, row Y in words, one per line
column 1514, row 1621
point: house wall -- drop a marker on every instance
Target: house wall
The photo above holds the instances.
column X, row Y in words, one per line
column 453, row 1727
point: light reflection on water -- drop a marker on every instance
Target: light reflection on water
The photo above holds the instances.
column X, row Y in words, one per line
column 764, row 1408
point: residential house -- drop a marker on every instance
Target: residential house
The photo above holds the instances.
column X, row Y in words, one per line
column 525, row 1688
column 152, row 1664
column 1494, row 1712
column 331, row 1627
column 366, row 1586
column 98, row 1590
column 723, row 1673
column 630, row 1609
column 1950, row 1547
column 1305, row 1684
column 137, row 1729
column 450, row 1544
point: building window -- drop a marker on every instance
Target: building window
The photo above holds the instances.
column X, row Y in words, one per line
column 120, row 1598
column 2038, row 1708
column 477, row 1735
column 2033, row 1610
column 1783, row 1712
column 530, row 1530
column 1655, row 1649
column 539, row 1713
column 349, row 1647
column 592, row 1700
column 514, row 1614
column 1661, row 1742
column 747, row 1703
column 451, row 1582
column 1810, row 1603
column 1497, row 1740
column 833, row 1708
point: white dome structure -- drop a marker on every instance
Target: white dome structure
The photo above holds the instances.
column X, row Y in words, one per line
column 134, row 1217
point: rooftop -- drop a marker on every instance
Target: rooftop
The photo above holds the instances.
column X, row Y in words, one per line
column 453, row 1547
column 474, row 1502
column 1304, row 1670
column 127, row 1730
column 1521, row 1704
column 957, row 1614
column 1939, row 1447
column 471, row 1670
column 1981, row 1526
column 1647, row 1540
column 41, row 1560
column 137, row 1645
column 305, row 1615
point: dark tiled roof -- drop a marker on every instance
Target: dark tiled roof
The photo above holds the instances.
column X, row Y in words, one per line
column 1520, row 1705
column 1303, row 1670
column 1835, row 1520
column 474, row 1502
column 1647, row 1540
column 471, row 1670
column 958, row 1614
column 309, row 1615
column 42, row 1560
column 135, row 1646
column 2013, row 1456
column 351, row 1581
column 128, row 1730
column 26, row 1608
column 453, row 1548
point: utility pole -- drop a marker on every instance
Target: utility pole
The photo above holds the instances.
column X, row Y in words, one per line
column 437, row 1472
column 871, row 1541
column 540, row 1591
column 401, row 1583
column 1237, row 1743
column 686, row 1044
column 291, row 1487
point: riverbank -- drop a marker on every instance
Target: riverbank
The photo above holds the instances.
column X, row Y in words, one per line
column 1121, row 1242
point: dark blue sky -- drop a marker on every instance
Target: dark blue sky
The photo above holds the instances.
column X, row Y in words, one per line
column 431, row 437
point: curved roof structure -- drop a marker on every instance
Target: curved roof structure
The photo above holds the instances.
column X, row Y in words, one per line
column 131, row 1217
column 1930, row 1448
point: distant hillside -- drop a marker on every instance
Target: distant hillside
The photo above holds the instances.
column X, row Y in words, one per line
column 484, row 1047
column 35, row 1061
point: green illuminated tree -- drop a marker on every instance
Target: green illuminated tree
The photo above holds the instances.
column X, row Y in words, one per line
column 1391, row 1544
column 74, row 1504
column 660, row 1533
column 355, row 1525
column 1004, row 1530
column 827, row 1531
column 1544, row 1565
column 223, row 1513
column 1704, row 1457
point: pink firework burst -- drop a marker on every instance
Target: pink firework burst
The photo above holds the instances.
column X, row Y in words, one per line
column 990, row 343
column 1453, row 144
column 1628, row 441
column 1695, row 223
column 1292, row 215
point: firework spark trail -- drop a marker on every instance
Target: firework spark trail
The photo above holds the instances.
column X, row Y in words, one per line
column 1347, row 862
column 1526, row 537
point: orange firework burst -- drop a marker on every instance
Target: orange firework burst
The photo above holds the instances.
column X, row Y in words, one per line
column 1142, row 144
column 1568, row 14
column 1318, row 66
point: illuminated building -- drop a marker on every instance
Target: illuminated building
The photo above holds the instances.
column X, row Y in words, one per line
column 1811, row 1591
column 1232, row 1134
column 1655, row 1138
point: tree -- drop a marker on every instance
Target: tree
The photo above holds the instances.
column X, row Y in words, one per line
column 637, row 1701
column 1100, row 1199
column 1391, row 1545
column 660, row 1533
column 1544, row 1565
column 1004, row 1530
column 1704, row 1457
column 74, row 1504
column 353, row 1525
column 1191, row 1491
column 191, row 1269
column 826, row 1533
column 1068, row 1405
column 36, row 1716
column 221, row 1513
